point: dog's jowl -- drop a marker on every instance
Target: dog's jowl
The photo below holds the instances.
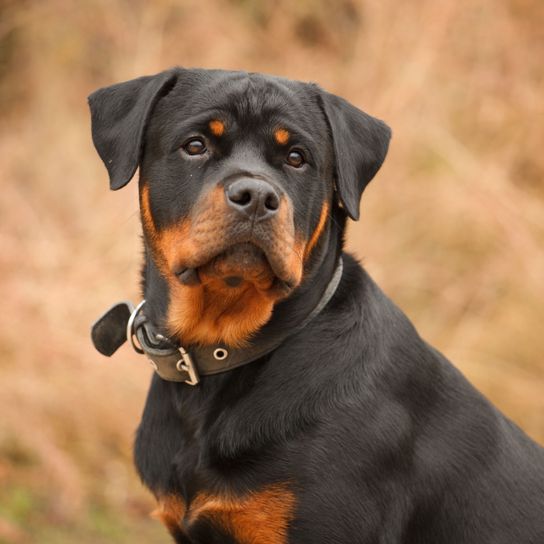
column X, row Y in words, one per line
column 292, row 401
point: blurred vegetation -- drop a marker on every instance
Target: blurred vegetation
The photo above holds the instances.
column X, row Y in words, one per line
column 452, row 228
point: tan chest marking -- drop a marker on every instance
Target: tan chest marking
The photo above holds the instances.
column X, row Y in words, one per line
column 258, row 518
column 261, row 517
column 170, row 511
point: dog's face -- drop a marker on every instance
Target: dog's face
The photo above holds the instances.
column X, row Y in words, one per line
column 237, row 186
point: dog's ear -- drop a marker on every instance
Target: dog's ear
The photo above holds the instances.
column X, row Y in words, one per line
column 119, row 115
column 360, row 144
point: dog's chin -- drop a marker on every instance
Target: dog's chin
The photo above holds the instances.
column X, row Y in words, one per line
column 236, row 267
column 240, row 263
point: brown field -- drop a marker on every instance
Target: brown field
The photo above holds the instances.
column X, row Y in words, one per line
column 452, row 228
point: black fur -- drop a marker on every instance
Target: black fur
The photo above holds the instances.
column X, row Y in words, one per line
column 360, row 145
column 119, row 117
column 379, row 436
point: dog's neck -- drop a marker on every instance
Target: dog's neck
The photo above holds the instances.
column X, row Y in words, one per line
column 288, row 313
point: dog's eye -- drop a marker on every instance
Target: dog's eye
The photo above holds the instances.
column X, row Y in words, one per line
column 195, row 147
column 295, row 158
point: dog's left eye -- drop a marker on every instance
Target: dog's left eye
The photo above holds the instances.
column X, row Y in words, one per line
column 195, row 147
column 295, row 158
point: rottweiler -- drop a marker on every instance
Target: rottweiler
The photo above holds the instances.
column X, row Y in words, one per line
column 292, row 401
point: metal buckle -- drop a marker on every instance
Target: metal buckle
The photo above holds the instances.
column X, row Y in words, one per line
column 131, row 336
column 185, row 364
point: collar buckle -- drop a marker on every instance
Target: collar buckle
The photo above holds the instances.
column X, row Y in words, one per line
column 169, row 362
column 185, row 364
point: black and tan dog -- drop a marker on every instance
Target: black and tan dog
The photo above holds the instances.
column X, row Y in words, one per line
column 321, row 415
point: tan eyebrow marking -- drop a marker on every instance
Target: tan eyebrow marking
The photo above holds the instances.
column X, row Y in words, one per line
column 281, row 136
column 217, row 127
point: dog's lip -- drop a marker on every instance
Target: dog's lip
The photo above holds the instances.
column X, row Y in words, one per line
column 188, row 274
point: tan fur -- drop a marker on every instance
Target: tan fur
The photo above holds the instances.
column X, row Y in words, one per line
column 258, row 518
column 318, row 230
column 217, row 127
column 281, row 136
column 212, row 312
column 170, row 511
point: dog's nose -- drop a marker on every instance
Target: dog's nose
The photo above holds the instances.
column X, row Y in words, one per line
column 253, row 198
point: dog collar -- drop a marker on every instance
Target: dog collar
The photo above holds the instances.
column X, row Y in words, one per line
column 173, row 362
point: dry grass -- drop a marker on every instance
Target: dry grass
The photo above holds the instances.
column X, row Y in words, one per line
column 453, row 228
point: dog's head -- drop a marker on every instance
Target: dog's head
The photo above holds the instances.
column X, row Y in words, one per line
column 240, row 175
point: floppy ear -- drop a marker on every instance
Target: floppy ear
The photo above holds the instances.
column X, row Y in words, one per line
column 360, row 145
column 119, row 116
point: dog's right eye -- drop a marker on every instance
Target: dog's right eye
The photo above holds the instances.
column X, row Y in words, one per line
column 194, row 147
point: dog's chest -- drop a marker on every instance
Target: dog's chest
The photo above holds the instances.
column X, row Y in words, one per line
column 261, row 516
column 203, row 497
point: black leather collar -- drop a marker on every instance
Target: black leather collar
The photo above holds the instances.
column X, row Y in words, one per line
column 172, row 361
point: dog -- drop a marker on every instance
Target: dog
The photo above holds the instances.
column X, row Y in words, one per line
column 292, row 401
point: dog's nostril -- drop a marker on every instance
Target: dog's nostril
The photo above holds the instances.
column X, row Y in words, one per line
column 242, row 198
column 272, row 202
column 239, row 196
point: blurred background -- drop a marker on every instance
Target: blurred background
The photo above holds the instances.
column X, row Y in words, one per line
column 452, row 228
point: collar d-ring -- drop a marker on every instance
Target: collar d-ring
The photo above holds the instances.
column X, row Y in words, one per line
column 131, row 333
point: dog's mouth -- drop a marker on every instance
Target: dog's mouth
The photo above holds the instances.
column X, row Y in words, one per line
column 239, row 264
